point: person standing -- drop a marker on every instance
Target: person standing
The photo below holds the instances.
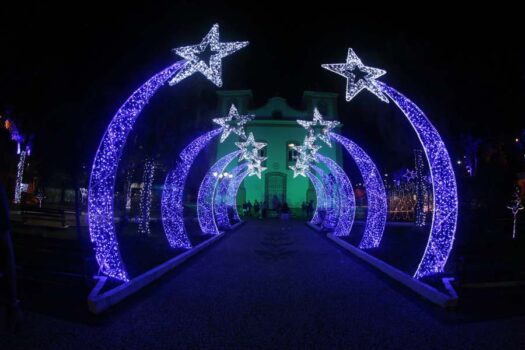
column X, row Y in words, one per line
column 310, row 209
column 7, row 266
column 256, row 208
column 249, row 206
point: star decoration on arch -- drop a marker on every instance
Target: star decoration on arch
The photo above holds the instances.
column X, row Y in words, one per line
column 211, row 46
column 307, row 150
column 249, row 148
column 233, row 122
column 319, row 128
column 354, row 83
column 307, row 155
column 255, row 167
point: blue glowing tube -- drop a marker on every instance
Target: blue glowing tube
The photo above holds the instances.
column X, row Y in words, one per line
column 103, row 175
column 375, row 193
column 346, row 197
column 173, row 194
column 444, row 217
column 205, row 202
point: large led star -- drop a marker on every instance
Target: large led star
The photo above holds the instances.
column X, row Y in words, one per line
column 354, row 83
column 233, row 122
column 211, row 46
column 249, row 148
column 319, row 128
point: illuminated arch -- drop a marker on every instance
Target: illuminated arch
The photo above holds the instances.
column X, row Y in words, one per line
column 320, row 198
column 331, row 198
column 346, row 198
column 172, row 209
column 222, row 197
column 375, row 193
column 445, row 197
column 205, row 198
column 103, row 174
column 233, row 189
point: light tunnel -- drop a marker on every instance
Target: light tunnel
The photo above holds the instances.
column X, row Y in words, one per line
column 105, row 165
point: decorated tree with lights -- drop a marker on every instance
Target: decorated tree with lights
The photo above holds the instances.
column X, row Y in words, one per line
column 515, row 207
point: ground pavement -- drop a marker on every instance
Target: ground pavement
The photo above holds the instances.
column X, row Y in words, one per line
column 271, row 285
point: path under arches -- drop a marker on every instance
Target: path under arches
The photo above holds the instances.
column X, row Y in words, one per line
column 272, row 285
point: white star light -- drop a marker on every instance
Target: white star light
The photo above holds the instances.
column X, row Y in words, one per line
column 233, row 122
column 410, row 175
column 249, row 148
column 255, row 167
column 319, row 128
column 217, row 50
column 307, row 150
column 299, row 168
column 355, row 84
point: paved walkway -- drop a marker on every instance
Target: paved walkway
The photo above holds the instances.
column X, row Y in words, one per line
column 270, row 285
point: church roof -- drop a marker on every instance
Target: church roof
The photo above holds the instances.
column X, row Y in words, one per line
column 278, row 107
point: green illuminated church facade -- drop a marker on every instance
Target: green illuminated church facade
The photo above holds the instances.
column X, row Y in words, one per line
column 275, row 124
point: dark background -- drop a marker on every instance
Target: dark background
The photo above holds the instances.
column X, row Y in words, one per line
column 65, row 69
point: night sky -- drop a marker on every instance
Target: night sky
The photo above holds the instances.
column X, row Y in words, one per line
column 65, row 70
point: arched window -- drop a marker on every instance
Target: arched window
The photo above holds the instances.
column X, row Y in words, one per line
column 291, row 153
column 263, row 152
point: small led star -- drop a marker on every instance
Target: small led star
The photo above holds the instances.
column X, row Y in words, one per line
column 409, row 175
column 233, row 122
column 354, row 83
column 209, row 46
column 299, row 168
column 319, row 128
column 255, row 168
column 249, row 148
